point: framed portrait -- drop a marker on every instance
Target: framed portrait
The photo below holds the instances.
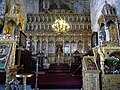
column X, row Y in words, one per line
column 22, row 41
column 89, row 63
column 94, row 39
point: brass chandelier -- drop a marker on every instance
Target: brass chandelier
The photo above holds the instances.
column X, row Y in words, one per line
column 60, row 26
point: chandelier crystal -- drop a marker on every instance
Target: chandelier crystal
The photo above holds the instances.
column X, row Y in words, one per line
column 60, row 26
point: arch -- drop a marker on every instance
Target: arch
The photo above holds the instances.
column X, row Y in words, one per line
column 102, row 33
column 20, row 25
column 101, row 25
column 110, row 22
column 66, row 41
column 115, row 53
column 73, row 41
column 10, row 25
column 79, row 42
column 113, row 31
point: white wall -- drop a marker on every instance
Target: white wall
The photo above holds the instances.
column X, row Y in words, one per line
column 96, row 7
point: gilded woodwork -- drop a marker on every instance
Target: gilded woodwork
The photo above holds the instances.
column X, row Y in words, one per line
column 40, row 25
column 14, row 17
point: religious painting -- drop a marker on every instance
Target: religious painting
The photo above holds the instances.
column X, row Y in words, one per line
column 90, row 63
column 73, row 47
column 33, row 48
column 51, row 47
column 67, row 48
column 44, row 47
column 22, row 41
column 94, row 39
column 80, row 47
column 4, row 54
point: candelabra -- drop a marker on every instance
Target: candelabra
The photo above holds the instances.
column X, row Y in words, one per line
column 60, row 26
column 36, row 87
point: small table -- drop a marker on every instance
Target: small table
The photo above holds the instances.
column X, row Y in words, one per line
column 24, row 76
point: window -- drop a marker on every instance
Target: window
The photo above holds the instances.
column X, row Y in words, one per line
column 77, row 27
column 81, row 27
column 67, row 48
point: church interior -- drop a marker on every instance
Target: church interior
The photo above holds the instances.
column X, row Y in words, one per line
column 59, row 44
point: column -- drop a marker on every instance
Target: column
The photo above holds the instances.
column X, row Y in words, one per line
column 34, row 18
column 75, row 27
column 35, row 42
column 44, row 26
column 54, row 48
column 48, row 27
column 47, row 46
column 70, row 53
column 43, row 19
column 38, row 18
column 64, row 49
column 47, row 18
column 32, row 27
column 102, row 59
column 30, row 18
column 68, row 18
column 36, row 26
column 77, row 18
column 28, row 26
column 40, row 26
column 51, row 19
column 40, row 43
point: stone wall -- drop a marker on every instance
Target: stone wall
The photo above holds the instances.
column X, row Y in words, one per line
column 34, row 6
column 95, row 8
column 2, row 8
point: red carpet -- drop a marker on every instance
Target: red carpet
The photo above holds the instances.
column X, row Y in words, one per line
column 57, row 69
column 58, row 79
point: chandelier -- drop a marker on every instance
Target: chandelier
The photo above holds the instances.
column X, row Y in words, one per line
column 60, row 26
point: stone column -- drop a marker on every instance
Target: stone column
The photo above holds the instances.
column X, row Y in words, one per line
column 47, row 47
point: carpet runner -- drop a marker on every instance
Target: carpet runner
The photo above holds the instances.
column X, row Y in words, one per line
column 57, row 77
column 58, row 69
